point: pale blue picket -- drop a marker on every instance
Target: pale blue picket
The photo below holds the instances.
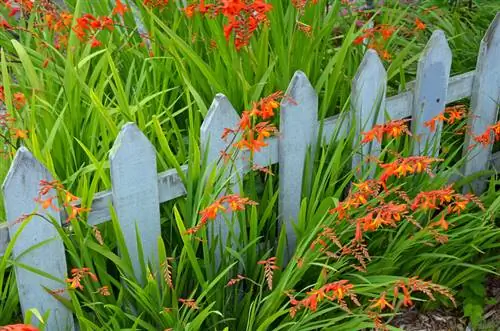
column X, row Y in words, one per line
column 485, row 101
column 431, row 89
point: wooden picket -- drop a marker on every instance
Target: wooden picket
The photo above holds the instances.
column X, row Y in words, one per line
column 135, row 195
column 367, row 109
column 221, row 115
column 298, row 126
column 430, row 94
column 20, row 189
column 137, row 188
column 485, row 101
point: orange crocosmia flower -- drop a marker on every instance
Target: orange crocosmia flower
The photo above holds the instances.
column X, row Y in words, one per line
column 20, row 134
column 245, row 122
column 431, row 124
column 359, row 40
column 441, row 223
column 18, row 327
column 397, row 128
column 252, row 144
column 455, row 113
column 484, row 139
column 376, row 133
column 19, row 100
column 47, row 203
column 120, row 8
column 419, row 24
column 14, row 11
column 433, row 199
column 387, row 31
column 210, row 213
column 458, row 206
column 336, row 291
column 75, row 211
column 381, row 303
column 386, row 55
column 264, row 130
column 4, row 24
column 406, row 293
column 231, row 8
column 95, row 42
column 235, row 202
column 189, row 10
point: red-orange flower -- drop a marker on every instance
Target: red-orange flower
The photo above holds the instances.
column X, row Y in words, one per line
column 233, row 201
column 419, row 25
column 381, row 303
column 335, row 291
column 19, row 100
column 18, row 327
column 120, row 8
column 394, row 129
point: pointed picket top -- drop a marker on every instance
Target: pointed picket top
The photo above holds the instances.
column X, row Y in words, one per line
column 221, row 115
column 431, row 89
column 300, row 89
column 135, row 194
column 298, row 134
column 436, row 49
column 367, row 106
column 484, row 102
column 20, row 190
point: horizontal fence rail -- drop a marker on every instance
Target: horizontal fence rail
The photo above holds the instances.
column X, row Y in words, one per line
column 137, row 188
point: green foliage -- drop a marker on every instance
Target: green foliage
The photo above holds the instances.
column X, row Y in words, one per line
column 77, row 104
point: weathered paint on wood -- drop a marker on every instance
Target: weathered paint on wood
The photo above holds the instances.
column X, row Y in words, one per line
column 431, row 89
column 20, row 189
column 367, row 109
column 485, row 100
column 135, row 194
column 220, row 116
column 298, row 134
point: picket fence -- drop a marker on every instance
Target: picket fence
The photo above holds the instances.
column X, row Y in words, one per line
column 137, row 188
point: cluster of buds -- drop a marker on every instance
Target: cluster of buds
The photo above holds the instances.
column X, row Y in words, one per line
column 77, row 275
